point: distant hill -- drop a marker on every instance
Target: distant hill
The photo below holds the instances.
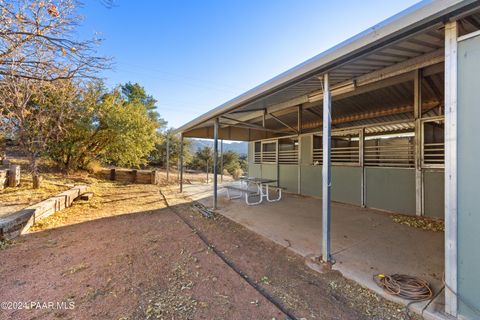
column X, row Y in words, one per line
column 239, row 147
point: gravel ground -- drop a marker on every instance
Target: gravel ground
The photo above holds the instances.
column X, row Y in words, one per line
column 126, row 255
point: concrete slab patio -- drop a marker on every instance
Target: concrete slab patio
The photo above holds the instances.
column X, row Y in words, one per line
column 365, row 242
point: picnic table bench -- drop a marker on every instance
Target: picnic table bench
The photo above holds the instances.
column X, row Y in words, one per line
column 261, row 189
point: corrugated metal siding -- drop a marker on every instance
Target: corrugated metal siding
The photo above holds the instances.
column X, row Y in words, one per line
column 420, row 44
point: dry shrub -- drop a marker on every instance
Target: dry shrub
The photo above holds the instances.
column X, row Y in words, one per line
column 237, row 173
column 94, row 167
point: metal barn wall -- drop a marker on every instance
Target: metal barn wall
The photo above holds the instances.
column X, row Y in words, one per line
column 346, row 184
column 269, row 171
column 288, row 177
column 391, row 189
column 251, row 152
column 434, row 189
column 310, row 176
column 468, row 177
column 254, row 170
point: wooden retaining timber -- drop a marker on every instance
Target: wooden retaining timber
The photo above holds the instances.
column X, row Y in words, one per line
column 3, row 178
column 14, row 176
column 18, row 223
column 9, row 175
column 131, row 175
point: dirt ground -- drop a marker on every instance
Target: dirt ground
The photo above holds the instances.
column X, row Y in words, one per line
column 126, row 255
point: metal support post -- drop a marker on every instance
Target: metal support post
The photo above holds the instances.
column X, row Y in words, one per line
column 417, row 113
column 181, row 163
column 215, row 163
column 361, row 162
column 326, row 170
column 221, row 161
column 451, row 44
column 168, row 157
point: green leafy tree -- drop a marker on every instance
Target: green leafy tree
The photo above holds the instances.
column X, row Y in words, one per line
column 135, row 93
column 107, row 128
column 202, row 159
column 159, row 155
column 232, row 162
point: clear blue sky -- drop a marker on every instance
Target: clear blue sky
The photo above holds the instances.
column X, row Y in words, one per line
column 194, row 55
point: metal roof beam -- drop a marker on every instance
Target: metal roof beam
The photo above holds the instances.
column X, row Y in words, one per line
column 318, row 114
column 370, row 115
column 425, row 60
column 375, row 80
column 283, row 123
column 247, row 124
column 243, row 126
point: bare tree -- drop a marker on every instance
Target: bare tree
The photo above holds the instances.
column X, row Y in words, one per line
column 41, row 62
column 37, row 41
column 36, row 112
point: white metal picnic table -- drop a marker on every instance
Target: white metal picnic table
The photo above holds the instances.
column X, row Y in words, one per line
column 262, row 186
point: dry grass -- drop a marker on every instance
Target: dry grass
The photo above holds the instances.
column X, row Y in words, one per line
column 5, row 244
column 14, row 199
column 75, row 269
column 110, row 198
column 423, row 223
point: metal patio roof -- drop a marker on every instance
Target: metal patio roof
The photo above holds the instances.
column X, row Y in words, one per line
column 414, row 33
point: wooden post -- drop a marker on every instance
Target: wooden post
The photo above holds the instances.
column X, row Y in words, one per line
column 154, row 177
column 113, row 174
column 3, row 179
column 14, row 176
column 134, row 174
column 37, row 181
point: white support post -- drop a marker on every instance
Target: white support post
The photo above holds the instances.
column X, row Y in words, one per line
column 181, row 163
column 299, row 149
column 326, row 170
column 451, row 35
column 221, row 161
column 417, row 113
column 168, row 157
column 215, row 163
column 361, row 163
